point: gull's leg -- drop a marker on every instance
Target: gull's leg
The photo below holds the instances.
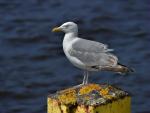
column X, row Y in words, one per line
column 85, row 79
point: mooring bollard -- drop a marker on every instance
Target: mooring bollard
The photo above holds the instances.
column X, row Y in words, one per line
column 91, row 98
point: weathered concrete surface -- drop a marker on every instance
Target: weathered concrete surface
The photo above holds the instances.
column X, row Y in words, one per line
column 91, row 98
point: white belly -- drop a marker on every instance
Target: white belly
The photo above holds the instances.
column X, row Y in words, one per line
column 76, row 62
column 67, row 46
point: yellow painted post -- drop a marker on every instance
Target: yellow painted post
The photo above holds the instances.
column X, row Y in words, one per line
column 91, row 98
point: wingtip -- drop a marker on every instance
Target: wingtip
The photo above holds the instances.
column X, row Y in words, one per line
column 110, row 50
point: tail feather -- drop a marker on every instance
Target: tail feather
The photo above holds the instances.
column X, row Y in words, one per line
column 119, row 68
column 125, row 69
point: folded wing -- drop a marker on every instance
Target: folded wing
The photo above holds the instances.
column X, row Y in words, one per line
column 92, row 53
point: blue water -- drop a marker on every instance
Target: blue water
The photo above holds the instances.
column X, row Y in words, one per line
column 32, row 62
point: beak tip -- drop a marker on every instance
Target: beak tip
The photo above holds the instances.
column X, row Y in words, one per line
column 52, row 30
column 56, row 29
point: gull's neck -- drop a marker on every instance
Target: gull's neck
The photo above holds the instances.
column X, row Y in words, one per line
column 70, row 36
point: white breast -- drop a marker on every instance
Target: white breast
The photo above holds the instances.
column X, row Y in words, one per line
column 67, row 47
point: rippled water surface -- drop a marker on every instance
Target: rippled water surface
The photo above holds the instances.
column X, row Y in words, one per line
column 32, row 62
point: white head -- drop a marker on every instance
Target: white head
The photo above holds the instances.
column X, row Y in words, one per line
column 68, row 27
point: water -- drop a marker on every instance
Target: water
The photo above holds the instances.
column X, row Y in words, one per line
column 32, row 62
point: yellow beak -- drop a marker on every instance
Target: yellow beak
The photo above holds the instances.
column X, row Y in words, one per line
column 56, row 29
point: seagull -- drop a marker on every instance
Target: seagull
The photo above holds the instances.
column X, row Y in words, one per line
column 88, row 55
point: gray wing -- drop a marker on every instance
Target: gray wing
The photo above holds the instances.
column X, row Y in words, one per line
column 90, row 46
column 92, row 53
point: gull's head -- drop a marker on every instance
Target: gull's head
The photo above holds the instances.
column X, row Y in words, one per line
column 68, row 27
